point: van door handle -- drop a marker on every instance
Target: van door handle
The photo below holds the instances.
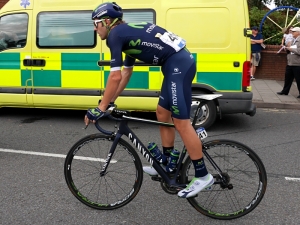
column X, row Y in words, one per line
column 34, row 62
column 27, row 62
column 39, row 62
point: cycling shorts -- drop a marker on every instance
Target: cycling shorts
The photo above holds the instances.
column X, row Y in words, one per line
column 176, row 92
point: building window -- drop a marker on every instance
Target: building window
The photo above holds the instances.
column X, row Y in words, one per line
column 13, row 31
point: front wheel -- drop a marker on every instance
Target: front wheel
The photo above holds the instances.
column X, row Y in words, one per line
column 240, row 181
column 121, row 181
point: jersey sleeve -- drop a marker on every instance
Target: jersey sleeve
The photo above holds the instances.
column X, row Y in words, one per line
column 114, row 43
column 129, row 61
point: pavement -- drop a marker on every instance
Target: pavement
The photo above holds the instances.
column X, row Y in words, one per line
column 264, row 95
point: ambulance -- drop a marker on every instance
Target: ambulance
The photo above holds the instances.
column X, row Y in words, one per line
column 51, row 57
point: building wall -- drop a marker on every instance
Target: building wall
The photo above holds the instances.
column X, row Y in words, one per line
column 272, row 65
column 3, row 2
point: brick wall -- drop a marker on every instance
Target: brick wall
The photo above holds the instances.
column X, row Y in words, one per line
column 2, row 3
column 272, row 65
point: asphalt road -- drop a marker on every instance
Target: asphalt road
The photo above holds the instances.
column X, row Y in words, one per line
column 33, row 189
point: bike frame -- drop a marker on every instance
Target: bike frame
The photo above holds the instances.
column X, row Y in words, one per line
column 123, row 129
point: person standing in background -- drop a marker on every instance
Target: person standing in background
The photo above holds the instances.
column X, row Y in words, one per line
column 287, row 39
column 292, row 69
column 256, row 41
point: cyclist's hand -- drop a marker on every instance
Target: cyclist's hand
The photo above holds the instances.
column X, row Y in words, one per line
column 93, row 115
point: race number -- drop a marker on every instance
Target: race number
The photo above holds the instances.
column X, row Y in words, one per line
column 172, row 40
column 201, row 132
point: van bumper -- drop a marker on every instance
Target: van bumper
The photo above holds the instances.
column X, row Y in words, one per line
column 236, row 103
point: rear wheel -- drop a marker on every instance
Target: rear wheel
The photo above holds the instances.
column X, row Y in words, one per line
column 238, row 189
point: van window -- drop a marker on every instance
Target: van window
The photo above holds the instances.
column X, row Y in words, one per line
column 13, row 31
column 137, row 16
column 65, row 29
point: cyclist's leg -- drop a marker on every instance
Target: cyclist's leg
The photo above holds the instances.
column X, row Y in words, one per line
column 192, row 143
column 179, row 72
column 163, row 114
column 180, row 89
column 167, row 134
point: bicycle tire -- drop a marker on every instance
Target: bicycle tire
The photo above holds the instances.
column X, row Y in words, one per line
column 120, row 184
column 245, row 172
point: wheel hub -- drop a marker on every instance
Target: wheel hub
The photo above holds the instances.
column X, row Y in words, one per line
column 202, row 114
column 224, row 181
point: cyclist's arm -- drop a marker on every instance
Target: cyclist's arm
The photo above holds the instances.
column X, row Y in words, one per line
column 115, row 76
column 126, row 74
column 111, row 88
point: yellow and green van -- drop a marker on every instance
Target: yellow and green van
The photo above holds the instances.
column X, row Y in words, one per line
column 50, row 54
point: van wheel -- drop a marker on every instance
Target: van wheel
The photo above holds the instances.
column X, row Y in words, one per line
column 207, row 115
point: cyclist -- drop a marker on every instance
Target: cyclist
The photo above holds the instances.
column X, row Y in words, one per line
column 153, row 44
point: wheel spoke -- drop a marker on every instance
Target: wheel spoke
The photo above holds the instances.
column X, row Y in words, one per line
column 294, row 18
column 274, row 23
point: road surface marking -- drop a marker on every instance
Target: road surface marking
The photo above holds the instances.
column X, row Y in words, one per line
column 292, row 179
column 53, row 155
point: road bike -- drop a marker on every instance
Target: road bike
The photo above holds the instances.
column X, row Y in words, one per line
column 104, row 171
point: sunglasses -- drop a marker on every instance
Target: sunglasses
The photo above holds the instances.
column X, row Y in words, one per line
column 97, row 21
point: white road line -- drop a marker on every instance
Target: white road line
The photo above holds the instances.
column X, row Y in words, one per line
column 53, row 155
column 292, row 179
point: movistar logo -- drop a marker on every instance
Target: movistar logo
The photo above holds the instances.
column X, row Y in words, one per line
column 135, row 43
column 175, row 110
column 95, row 112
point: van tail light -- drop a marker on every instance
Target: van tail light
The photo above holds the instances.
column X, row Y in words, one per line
column 246, row 75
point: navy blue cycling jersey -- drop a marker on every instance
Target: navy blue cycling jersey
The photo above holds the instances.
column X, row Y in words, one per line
column 143, row 41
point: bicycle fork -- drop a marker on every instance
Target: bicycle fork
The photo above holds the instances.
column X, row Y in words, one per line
column 110, row 155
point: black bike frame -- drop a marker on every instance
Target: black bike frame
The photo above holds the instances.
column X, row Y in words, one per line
column 123, row 129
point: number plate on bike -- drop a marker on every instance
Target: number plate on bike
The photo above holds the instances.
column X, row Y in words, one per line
column 201, row 132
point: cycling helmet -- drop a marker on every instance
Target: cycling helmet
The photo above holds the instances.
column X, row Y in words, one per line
column 107, row 9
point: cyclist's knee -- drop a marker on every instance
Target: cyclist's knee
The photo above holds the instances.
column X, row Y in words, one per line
column 182, row 125
column 163, row 114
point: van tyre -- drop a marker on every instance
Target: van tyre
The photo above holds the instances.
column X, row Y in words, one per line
column 208, row 113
